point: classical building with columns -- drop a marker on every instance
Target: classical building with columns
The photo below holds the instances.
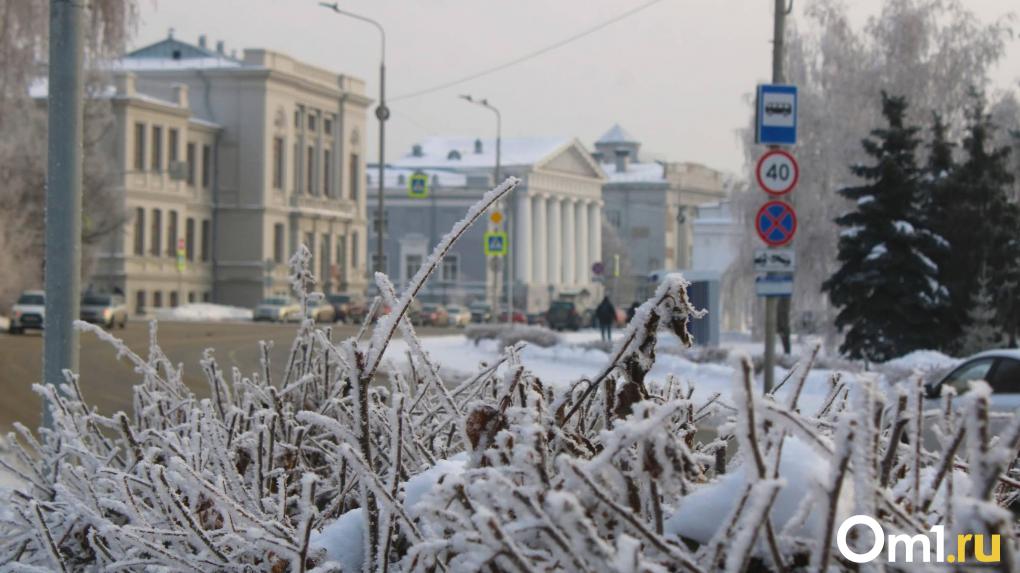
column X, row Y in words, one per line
column 225, row 164
column 650, row 207
column 554, row 217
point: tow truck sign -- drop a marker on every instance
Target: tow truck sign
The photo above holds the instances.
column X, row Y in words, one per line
column 775, row 260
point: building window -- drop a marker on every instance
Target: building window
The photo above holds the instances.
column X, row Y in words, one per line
column 140, row 231
column 614, row 218
column 207, row 296
column 451, row 268
column 278, row 163
column 310, row 182
column 325, row 277
column 325, row 172
column 156, row 233
column 171, row 234
column 191, row 163
column 206, row 165
column 355, row 176
column 157, row 149
column 297, row 118
column 327, row 126
column 354, row 250
column 157, row 299
column 206, row 240
column 191, row 297
column 278, row 237
column 189, row 239
column 341, row 256
column 311, row 121
column 140, row 302
column 172, row 145
column 411, row 265
column 173, row 299
column 140, row 149
column 297, row 168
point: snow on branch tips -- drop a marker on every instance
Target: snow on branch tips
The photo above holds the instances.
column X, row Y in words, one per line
column 340, row 461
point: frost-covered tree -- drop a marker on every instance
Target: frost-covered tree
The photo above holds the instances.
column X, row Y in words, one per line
column 929, row 51
column 887, row 288
column 23, row 51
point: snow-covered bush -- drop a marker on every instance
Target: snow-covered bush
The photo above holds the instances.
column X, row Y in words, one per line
column 338, row 467
column 506, row 335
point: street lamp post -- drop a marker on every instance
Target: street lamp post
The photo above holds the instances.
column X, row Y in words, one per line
column 382, row 113
column 484, row 102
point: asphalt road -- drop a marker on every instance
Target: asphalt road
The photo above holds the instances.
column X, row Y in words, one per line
column 106, row 382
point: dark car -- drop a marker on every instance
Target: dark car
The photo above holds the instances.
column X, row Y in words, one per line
column 346, row 308
column 108, row 310
column 481, row 312
column 563, row 315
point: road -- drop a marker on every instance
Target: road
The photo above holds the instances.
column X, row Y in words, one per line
column 106, row 382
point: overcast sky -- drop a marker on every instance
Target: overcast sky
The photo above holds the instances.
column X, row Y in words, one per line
column 676, row 75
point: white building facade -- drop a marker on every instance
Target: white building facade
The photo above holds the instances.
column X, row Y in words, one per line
column 554, row 217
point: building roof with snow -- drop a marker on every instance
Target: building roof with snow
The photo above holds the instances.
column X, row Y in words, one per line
column 470, row 152
column 616, row 134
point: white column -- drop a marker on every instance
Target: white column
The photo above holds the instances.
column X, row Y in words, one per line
column 569, row 246
column 522, row 236
column 594, row 232
column 555, row 242
column 540, row 244
column 583, row 263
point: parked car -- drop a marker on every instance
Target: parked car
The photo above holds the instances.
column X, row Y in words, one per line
column 459, row 315
column 433, row 314
column 563, row 315
column 1000, row 368
column 108, row 310
column 347, row 307
column 519, row 317
column 28, row 312
column 278, row 309
column 481, row 312
column 536, row 318
column 323, row 312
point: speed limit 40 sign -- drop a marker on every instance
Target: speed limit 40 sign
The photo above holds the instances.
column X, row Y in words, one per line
column 777, row 172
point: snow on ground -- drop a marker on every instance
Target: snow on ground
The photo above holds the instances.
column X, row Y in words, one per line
column 204, row 312
column 701, row 513
column 564, row 364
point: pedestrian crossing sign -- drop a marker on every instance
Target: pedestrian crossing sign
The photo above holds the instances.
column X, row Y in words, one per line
column 418, row 185
column 496, row 244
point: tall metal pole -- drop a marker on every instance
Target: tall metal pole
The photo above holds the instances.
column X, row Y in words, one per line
column 382, row 113
column 63, row 194
column 771, row 315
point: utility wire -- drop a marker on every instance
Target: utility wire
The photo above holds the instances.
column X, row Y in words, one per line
column 530, row 55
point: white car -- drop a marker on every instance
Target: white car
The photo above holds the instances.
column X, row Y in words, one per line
column 278, row 309
column 459, row 315
column 999, row 368
column 28, row 312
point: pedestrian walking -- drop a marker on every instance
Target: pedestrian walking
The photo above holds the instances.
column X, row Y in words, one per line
column 632, row 311
column 606, row 315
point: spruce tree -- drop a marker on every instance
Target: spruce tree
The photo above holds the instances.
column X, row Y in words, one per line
column 887, row 289
column 981, row 332
column 938, row 193
column 983, row 225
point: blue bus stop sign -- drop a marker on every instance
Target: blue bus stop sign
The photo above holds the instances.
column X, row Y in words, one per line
column 776, row 115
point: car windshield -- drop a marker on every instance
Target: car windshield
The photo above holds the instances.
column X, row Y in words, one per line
column 32, row 299
column 96, row 300
column 339, row 298
column 453, row 309
column 560, row 305
column 274, row 302
column 969, row 372
column 430, row 307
